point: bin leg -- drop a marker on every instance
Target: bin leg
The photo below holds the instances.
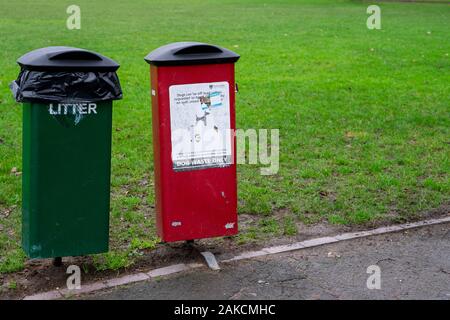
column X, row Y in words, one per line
column 57, row 261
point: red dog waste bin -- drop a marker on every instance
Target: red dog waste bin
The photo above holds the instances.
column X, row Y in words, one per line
column 193, row 106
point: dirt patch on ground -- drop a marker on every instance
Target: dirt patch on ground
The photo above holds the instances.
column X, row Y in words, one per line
column 41, row 275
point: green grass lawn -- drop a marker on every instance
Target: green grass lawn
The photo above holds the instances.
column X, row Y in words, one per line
column 363, row 114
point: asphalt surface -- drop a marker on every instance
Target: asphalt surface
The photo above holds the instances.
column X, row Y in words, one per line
column 413, row 265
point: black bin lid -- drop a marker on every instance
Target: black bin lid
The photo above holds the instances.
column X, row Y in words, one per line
column 186, row 53
column 66, row 58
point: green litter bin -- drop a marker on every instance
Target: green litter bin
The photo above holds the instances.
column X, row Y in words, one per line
column 67, row 98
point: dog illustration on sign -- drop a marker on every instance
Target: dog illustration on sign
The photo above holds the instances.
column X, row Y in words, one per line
column 204, row 118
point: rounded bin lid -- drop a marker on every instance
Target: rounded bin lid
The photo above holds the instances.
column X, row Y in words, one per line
column 66, row 58
column 186, row 53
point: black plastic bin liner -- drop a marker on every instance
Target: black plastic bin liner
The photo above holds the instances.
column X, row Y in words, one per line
column 60, row 86
column 66, row 74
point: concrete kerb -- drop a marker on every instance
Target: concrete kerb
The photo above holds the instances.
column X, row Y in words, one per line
column 160, row 272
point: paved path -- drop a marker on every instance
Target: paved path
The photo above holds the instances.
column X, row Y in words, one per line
column 414, row 265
